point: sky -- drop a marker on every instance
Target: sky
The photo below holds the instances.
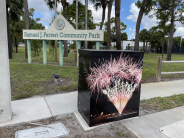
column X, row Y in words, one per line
column 128, row 15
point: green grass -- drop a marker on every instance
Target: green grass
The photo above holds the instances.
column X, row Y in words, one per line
column 29, row 79
column 151, row 60
column 163, row 103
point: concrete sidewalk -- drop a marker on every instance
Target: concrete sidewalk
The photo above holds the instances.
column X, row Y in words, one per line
column 52, row 105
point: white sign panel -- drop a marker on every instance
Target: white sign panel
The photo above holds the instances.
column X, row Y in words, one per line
column 61, row 29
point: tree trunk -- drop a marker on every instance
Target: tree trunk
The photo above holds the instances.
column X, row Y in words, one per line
column 65, row 49
column 117, row 24
column 109, row 25
column 138, row 24
column 163, row 46
column 103, row 18
column 8, row 33
column 16, row 44
column 26, row 12
column 169, row 51
column 144, row 46
column 65, row 42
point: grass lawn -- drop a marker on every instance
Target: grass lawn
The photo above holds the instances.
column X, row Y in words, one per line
column 33, row 79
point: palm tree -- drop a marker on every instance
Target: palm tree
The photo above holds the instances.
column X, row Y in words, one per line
column 117, row 24
column 65, row 4
column 145, row 7
column 109, row 25
column 99, row 4
column 14, row 9
column 144, row 36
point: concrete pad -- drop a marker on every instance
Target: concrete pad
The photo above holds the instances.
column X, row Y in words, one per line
column 82, row 122
column 85, row 126
column 150, row 125
column 45, row 131
column 142, row 129
column 62, row 103
column 28, row 110
column 149, row 91
column 175, row 130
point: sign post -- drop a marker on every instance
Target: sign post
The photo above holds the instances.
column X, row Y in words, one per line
column 29, row 51
column 44, row 53
column 60, row 53
column 5, row 89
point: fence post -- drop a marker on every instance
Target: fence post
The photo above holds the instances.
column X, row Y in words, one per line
column 159, row 69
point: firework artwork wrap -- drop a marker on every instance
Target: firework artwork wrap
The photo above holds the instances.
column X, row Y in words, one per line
column 109, row 85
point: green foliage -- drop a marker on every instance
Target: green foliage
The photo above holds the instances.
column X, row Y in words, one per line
column 124, row 36
column 149, row 6
column 113, row 30
column 36, row 47
column 71, row 16
column 144, row 35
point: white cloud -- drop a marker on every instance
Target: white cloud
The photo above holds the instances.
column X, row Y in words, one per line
column 41, row 7
column 97, row 15
column 150, row 22
column 130, row 29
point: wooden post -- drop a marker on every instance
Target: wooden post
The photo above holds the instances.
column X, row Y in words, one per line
column 44, row 52
column 159, row 69
column 78, row 47
column 29, row 50
column 60, row 53
column 97, row 45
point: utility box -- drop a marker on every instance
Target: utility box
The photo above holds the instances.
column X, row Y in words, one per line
column 109, row 85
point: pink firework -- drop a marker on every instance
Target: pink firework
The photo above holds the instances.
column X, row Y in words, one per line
column 117, row 79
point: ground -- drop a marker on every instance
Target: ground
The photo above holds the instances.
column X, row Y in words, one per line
column 28, row 80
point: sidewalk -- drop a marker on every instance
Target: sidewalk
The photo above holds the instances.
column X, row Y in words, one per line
column 52, row 105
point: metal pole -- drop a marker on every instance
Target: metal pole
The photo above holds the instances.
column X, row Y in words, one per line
column 86, row 20
column 76, row 14
column 55, row 40
column 29, row 50
column 60, row 53
column 44, row 53
column 76, row 27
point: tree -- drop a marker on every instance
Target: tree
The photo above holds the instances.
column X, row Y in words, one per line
column 117, row 24
column 26, row 13
column 108, row 25
column 175, row 9
column 99, row 4
column 156, row 39
column 71, row 15
column 13, row 11
column 144, row 36
column 145, row 7
column 124, row 36
column 65, row 4
column 31, row 13
column 113, row 29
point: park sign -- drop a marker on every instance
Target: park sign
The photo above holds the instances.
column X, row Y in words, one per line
column 61, row 29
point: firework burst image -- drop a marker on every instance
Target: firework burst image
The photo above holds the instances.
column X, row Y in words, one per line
column 117, row 79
